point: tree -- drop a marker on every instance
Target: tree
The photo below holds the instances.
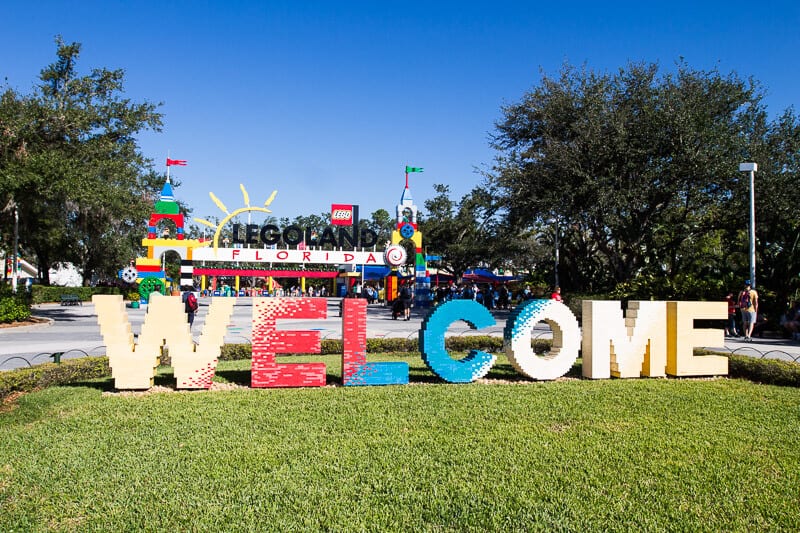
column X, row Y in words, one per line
column 73, row 166
column 462, row 233
column 639, row 167
column 776, row 147
column 382, row 223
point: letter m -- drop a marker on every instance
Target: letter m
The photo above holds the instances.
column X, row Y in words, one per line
column 624, row 347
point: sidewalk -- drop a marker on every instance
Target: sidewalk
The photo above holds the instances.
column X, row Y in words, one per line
column 768, row 347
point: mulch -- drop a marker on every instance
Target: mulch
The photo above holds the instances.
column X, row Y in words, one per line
column 32, row 321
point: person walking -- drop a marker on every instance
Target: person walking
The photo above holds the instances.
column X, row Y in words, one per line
column 748, row 304
column 190, row 304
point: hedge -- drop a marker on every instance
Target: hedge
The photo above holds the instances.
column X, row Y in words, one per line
column 232, row 352
column 43, row 294
column 52, row 374
column 765, row 371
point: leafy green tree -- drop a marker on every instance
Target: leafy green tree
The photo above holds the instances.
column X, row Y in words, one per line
column 463, row 233
column 382, row 223
column 73, row 166
column 776, row 148
column 639, row 167
column 317, row 223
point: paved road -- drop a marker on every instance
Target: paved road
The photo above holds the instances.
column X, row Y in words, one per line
column 74, row 331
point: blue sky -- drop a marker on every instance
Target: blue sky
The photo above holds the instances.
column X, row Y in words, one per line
column 328, row 101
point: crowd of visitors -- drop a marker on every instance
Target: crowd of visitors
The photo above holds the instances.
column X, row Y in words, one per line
column 493, row 296
column 745, row 319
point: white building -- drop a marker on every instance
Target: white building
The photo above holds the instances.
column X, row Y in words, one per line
column 66, row 275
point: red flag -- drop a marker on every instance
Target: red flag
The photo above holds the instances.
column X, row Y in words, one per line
column 176, row 162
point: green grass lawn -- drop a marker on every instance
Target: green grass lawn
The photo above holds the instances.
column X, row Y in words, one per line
column 679, row 455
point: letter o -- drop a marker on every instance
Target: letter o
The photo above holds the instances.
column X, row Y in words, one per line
column 282, row 255
column 293, row 235
column 566, row 339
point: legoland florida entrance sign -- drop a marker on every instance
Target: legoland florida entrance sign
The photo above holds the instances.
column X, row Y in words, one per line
column 655, row 339
column 348, row 236
column 353, row 244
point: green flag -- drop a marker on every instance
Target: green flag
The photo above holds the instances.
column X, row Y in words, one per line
column 413, row 169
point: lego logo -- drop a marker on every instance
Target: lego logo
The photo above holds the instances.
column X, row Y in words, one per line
column 341, row 214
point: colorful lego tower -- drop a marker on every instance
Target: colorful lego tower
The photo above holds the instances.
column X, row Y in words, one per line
column 150, row 274
column 408, row 229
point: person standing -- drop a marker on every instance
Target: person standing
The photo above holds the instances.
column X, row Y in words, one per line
column 556, row 294
column 502, row 297
column 526, row 294
column 406, row 297
column 748, row 304
column 730, row 330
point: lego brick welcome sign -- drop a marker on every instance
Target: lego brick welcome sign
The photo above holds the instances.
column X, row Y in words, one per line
column 654, row 339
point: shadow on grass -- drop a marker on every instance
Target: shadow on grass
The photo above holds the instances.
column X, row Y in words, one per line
column 161, row 379
column 244, row 377
column 500, row 371
column 239, row 377
column 101, row 384
column 417, row 374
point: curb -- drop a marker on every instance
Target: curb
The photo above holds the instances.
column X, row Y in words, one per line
column 46, row 324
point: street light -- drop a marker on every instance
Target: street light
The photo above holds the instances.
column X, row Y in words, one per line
column 15, row 253
column 556, row 255
column 751, row 168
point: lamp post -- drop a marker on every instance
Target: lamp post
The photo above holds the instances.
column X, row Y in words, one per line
column 751, row 168
column 556, row 255
column 15, row 252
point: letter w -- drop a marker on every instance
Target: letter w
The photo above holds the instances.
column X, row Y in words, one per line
column 133, row 365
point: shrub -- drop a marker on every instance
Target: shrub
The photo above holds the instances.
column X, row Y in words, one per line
column 13, row 309
column 658, row 287
column 52, row 374
column 574, row 302
column 331, row 346
column 466, row 343
column 392, row 345
column 43, row 294
column 235, row 352
column 766, row 371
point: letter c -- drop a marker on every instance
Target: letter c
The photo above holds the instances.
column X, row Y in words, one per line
column 477, row 363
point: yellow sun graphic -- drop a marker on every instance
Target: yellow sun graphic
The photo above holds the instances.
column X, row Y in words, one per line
column 247, row 207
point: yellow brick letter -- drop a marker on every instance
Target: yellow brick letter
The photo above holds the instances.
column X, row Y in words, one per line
column 682, row 338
